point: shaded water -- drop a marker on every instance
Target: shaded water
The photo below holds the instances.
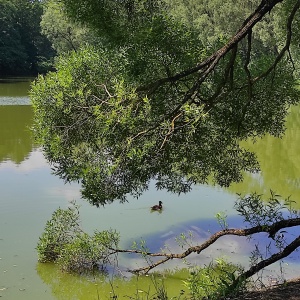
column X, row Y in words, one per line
column 30, row 193
column 14, row 91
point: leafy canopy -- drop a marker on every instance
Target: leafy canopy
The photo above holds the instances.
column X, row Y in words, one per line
column 23, row 49
column 64, row 34
column 153, row 102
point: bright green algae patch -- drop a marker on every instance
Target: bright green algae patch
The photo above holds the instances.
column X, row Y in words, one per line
column 70, row 286
column 279, row 162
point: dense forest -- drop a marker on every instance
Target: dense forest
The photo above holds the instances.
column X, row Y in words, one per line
column 32, row 34
column 24, row 50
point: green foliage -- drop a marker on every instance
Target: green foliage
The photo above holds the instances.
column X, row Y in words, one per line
column 185, row 240
column 221, row 218
column 61, row 230
column 23, row 49
column 218, row 19
column 213, row 281
column 11, row 48
column 116, row 21
column 105, row 118
column 86, row 253
column 212, row 18
column 63, row 34
column 73, row 250
column 257, row 212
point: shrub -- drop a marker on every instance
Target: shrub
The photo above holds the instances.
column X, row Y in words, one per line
column 213, row 281
column 60, row 230
column 65, row 243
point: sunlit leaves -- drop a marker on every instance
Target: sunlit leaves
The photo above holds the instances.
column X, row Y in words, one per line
column 213, row 281
column 64, row 34
column 59, row 231
column 257, row 212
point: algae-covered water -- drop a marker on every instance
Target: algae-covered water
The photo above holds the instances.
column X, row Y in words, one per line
column 29, row 193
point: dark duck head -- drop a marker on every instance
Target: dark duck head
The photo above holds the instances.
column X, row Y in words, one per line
column 157, row 207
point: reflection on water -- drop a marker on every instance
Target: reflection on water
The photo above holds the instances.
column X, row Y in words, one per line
column 14, row 91
column 29, row 195
column 232, row 248
column 15, row 137
column 68, row 286
column 280, row 163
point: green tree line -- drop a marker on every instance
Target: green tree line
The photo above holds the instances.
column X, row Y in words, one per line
column 33, row 33
column 24, row 50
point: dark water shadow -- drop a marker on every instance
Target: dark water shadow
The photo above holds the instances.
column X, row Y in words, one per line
column 16, row 141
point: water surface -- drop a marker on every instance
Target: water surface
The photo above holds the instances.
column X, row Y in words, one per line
column 30, row 193
column 14, row 90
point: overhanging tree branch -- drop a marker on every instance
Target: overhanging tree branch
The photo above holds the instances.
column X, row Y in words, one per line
column 271, row 229
column 267, row 262
column 178, row 130
column 286, row 46
column 101, row 248
column 204, row 69
column 209, row 64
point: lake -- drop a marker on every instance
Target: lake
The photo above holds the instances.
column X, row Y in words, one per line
column 30, row 193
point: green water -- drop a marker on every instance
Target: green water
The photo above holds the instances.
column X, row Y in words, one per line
column 29, row 193
column 14, row 91
column 280, row 163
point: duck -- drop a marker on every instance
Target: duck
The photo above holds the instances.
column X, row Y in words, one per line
column 157, row 207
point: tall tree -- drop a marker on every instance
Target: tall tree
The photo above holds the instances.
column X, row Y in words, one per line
column 64, row 34
column 11, row 49
column 23, row 49
column 157, row 103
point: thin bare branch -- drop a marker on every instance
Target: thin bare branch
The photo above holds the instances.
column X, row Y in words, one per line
column 271, row 229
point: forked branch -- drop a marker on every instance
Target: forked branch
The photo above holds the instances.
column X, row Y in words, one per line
column 270, row 229
column 208, row 65
column 199, row 74
column 267, row 262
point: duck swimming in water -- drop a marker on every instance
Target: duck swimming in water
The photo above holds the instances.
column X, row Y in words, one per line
column 157, row 207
